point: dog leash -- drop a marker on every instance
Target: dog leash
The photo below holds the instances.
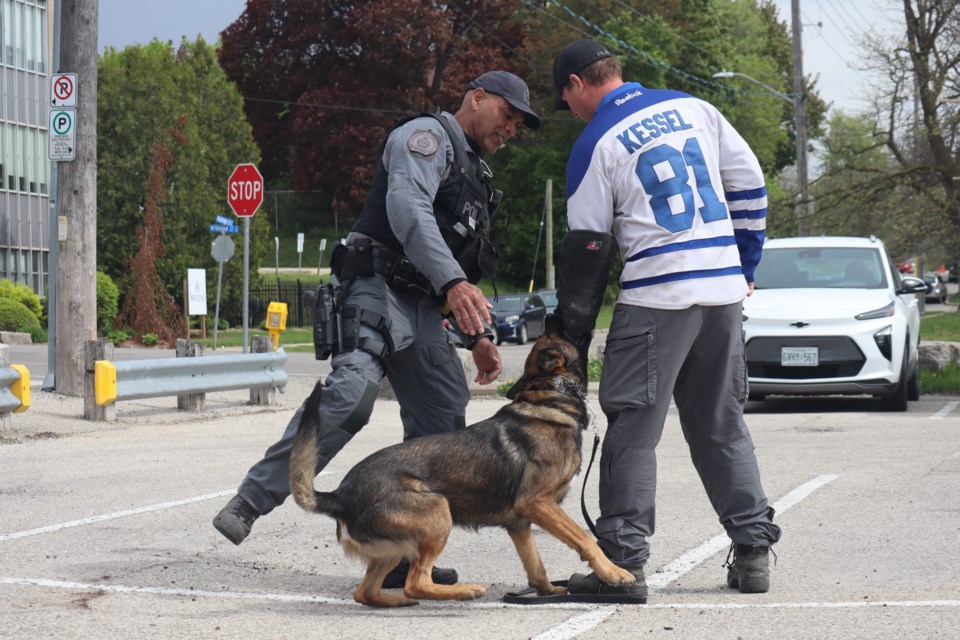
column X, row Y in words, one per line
column 567, row 386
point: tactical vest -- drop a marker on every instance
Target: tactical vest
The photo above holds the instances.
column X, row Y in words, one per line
column 462, row 208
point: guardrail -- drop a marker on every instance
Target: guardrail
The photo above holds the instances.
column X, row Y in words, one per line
column 188, row 377
column 14, row 388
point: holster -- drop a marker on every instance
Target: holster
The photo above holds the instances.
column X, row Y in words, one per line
column 324, row 301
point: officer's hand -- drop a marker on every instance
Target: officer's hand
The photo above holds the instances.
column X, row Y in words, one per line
column 749, row 289
column 469, row 307
column 487, row 359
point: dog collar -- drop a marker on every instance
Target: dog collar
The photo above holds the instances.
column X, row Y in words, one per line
column 568, row 387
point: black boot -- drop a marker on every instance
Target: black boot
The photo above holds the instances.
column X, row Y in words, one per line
column 750, row 570
column 236, row 519
column 398, row 577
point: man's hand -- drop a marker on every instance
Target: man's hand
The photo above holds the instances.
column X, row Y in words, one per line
column 469, row 307
column 749, row 289
column 487, row 359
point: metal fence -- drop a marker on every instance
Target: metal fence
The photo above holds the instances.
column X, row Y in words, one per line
column 259, row 298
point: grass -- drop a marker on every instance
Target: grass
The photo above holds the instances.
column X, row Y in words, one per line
column 944, row 381
column 940, row 326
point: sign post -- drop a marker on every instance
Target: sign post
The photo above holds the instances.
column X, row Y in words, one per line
column 245, row 195
column 222, row 250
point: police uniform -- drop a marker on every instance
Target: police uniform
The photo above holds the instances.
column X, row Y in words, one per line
column 408, row 214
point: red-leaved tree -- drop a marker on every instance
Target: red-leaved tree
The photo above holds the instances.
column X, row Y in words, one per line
column 324, row 81
column 147, row 307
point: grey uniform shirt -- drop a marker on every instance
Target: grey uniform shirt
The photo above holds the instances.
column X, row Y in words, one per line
column 418, row 156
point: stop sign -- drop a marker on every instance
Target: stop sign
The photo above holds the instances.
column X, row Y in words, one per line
column 245, row 190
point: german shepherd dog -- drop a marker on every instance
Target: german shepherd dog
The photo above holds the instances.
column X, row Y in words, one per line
column 510, row 470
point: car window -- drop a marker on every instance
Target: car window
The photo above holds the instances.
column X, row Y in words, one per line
column 549, row 298
column 821, row 268
column 507, row 304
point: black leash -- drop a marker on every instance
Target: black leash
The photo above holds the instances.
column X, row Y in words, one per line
column 583, row 490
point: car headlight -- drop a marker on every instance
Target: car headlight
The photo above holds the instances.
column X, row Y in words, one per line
column 512, row 319
column 885, row 312
column 884, row 340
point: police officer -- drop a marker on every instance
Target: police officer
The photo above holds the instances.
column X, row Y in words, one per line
column 422, row 240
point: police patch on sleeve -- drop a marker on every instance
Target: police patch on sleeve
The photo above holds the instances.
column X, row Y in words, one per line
column 424, row 142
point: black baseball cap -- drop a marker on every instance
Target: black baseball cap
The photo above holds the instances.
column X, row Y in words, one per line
column 510, row 88
column 574, row 58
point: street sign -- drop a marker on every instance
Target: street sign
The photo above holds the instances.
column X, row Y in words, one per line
column 224, row 228
column 222, row 248
column 63, row 90
column 245, row 190
column 197, row 287
column 224, row 220
column 62, row 135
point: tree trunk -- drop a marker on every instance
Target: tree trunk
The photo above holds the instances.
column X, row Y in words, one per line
column 77, row 202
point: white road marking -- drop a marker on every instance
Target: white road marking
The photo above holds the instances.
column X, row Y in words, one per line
column 945, row 411
column 118, row 514
column 577, row 624
column 691, row 559
column 600, row 613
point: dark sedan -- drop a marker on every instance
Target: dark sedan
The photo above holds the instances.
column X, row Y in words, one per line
column 520, row 316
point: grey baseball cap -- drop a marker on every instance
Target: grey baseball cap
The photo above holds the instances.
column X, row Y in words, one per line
column 574, row 58
column 510, row 88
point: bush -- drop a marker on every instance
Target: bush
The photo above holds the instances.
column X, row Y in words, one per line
column 24, row 295
column 37, row 334
column 149, row 339
column 116, row 336
column 14, row 316
column 108, row 302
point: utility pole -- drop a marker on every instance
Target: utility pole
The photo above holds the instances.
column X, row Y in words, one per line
column 76, row 303
column 800, row 122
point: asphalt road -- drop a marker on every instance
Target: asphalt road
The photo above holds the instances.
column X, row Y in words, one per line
column 105, row 533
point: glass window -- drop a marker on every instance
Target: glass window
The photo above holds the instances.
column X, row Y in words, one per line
column 18, row 35
column 28, row 38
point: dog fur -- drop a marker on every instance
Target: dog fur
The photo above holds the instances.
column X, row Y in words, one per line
column 510, row 470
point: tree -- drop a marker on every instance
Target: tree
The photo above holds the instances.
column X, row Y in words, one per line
column 324, row 81
column 143, row 91
column 920, row 130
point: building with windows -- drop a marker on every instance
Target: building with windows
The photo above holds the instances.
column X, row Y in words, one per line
column 24, row 167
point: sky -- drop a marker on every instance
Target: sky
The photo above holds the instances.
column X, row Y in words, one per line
column 831, row 29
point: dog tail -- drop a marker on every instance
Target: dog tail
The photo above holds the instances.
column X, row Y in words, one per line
column 303, row 462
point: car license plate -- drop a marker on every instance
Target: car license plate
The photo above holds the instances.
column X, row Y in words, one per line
column 799, row 356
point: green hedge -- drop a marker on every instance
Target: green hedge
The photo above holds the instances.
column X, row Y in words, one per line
column 23, row 294
column 16, row 317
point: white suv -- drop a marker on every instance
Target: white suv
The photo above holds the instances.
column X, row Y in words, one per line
column 833, row 316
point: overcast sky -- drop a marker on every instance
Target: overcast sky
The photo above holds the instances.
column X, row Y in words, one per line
column 831, row 29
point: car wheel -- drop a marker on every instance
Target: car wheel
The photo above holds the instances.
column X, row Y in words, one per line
column 897, row 401
column 522, row 334
column 913, row 386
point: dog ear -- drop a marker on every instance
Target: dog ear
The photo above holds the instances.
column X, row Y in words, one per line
column 549, row 360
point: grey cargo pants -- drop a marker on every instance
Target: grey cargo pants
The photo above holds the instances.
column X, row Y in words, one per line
column 696, row 356
column 424, row 371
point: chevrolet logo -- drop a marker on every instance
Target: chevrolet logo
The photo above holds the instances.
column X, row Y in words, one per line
column 799, row 324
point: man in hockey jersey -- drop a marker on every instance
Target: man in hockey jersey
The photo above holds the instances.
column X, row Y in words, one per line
column 685, row 200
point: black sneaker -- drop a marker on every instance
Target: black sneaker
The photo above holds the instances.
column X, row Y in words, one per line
column 749, row 572
column 236, row 519
column 579, row 584
column 397, row 578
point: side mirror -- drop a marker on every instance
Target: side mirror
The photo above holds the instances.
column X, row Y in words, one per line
column 909, row 284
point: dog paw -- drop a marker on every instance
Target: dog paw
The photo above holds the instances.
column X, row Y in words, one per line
column 617, row 577
column 471, row 591
column 551, row 590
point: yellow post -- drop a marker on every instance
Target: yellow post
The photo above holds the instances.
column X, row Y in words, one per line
column 21, row 388
column 276, row 321
column 105, row 382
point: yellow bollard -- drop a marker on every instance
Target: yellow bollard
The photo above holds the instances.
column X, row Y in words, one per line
column 276, row 321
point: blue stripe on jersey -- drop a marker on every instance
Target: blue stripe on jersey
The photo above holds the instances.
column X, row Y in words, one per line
column 608, row 114
column 749, row 194
column 749, row 214
column 684, row 275
column 721, row 241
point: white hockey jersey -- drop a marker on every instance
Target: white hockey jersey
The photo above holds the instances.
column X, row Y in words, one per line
column 681, row 191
